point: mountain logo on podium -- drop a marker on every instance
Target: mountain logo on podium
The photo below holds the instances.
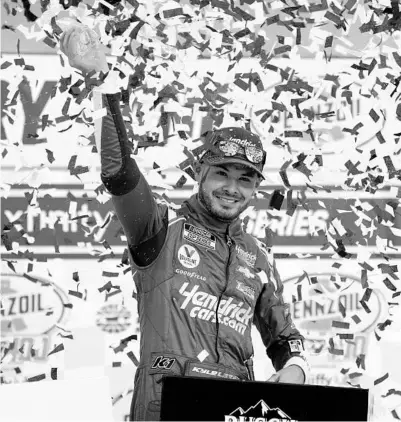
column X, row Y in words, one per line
column 261, row 412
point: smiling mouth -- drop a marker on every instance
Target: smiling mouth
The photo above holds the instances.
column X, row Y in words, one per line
column 227, row 200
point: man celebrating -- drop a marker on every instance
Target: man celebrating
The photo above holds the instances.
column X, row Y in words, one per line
column 201, row 280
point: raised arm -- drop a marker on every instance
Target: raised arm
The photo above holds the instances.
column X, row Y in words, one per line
column 144, row 222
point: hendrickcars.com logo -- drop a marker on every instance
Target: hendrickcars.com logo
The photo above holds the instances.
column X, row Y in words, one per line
column 260, row 412
column 30, row 308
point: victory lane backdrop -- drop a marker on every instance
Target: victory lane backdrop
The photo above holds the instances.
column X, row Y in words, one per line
column 324, row 98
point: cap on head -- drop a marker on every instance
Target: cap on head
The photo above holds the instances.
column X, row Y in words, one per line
column 249, row 153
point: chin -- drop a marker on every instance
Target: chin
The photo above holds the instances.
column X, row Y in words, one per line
column 226, row 214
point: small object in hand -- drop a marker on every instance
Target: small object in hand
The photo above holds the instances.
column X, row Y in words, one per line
column 86, row 41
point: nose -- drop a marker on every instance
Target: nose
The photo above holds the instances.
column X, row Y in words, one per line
column 231, row 186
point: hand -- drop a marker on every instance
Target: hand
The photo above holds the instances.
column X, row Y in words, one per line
column 292, row 374
column 82, row 47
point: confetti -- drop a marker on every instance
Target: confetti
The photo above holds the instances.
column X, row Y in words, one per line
column 340, row 324
column 381, row 379
column 79, row 295
column 354, row 375
column 391, row 392
column 50, row 156
column 203, row 355
column 276, row 200
column 133, row 358
column 37, row 378
column 124, row 343
column 108, row 286
column 360, row 361
column 58, row 348
column 109, row 274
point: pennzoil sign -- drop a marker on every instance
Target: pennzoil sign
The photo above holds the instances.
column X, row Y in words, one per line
column 324, row 305
column 30, row 309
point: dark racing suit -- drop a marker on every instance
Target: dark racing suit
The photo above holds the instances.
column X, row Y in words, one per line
column 200, row 283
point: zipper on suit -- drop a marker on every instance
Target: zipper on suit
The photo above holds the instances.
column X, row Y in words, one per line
column 230, row 245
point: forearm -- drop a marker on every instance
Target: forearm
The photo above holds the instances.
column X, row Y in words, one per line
column 119, row 171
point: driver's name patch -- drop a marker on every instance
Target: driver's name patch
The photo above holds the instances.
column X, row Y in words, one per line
column 200, row 237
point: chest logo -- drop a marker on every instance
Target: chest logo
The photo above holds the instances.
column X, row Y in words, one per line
column 246, row 272
column 161, row 362
column 188, row 256
column 247, row 257
column 246, row 290
column 199, row 236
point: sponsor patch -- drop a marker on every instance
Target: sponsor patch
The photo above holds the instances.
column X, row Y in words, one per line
column 202, row 305
column 247, row 257
column 206, row 371
column 246, row 272
column 163, row 362
column 242, row 142
column 188, row 256
column 296, row 346
column 190, row 274
column 246, row 290
column 199, row 236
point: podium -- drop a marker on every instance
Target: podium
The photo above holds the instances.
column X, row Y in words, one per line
column 208, row 399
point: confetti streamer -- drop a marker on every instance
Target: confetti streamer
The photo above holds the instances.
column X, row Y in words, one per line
column 381, row 379
column 391, row 392
column 37, row 378
column 133, row 358
column 340, row 324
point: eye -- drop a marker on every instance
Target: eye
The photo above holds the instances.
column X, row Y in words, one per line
column 245, row 179
column 221, row 173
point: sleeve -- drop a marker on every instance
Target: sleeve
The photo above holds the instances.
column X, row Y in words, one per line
column 283, row 342
column 143, row 220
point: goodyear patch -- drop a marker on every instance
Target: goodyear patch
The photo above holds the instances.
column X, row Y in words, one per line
column 199, row 236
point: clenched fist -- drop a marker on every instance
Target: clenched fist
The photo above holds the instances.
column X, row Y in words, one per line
column 82, row 47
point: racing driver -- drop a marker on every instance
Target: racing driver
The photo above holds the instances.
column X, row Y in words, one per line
column 201, row 281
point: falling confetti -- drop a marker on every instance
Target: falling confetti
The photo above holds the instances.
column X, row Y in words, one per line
column 152, row 45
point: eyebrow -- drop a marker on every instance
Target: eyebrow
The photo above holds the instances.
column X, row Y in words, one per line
column 249, row 173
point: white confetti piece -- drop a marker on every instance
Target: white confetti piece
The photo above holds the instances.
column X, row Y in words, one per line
column 203, row 355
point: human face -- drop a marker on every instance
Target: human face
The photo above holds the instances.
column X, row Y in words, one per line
column 226, row 190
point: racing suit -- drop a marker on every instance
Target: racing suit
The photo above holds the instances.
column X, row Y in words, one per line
column 200, row 283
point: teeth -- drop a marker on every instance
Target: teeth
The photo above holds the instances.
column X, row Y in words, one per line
column 227, row 200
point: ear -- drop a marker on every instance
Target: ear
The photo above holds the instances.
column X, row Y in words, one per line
column 197, row 166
